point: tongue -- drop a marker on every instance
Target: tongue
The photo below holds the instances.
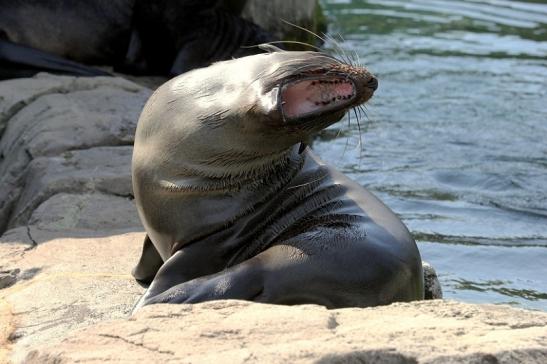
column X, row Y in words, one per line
column 313, row 96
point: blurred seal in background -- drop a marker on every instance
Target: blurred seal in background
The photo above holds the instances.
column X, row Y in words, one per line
column 162, row 37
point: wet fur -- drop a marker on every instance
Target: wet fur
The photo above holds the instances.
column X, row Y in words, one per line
column 235, row 208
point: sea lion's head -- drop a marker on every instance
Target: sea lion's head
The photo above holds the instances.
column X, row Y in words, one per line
column 238, row 110
column 314, row 90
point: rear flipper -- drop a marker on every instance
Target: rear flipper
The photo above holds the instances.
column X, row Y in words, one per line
column 246, row 281
column 149, row 263
column 17, row 60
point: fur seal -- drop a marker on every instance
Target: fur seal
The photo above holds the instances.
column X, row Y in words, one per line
column 235, row 208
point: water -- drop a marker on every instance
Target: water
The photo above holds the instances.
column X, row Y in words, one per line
column 456, row 136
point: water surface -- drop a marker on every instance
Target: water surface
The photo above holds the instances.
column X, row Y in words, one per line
column 455, row 140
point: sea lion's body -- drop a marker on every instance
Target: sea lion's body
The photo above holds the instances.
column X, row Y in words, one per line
column 40, row 35
column 234, row 208
column 161, row 37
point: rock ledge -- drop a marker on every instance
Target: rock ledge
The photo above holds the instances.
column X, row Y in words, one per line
column 237, row 332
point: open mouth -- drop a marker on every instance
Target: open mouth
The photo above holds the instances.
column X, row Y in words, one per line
column 314, row 96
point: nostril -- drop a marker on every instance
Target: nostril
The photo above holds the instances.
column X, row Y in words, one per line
column 372, row 83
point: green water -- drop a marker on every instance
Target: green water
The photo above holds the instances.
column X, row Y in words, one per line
column 456, row 136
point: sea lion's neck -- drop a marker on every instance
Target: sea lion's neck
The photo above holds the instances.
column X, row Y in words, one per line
column 238, row 198
column 230, row 172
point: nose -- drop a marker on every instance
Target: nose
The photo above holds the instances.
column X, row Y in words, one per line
column 372, row 83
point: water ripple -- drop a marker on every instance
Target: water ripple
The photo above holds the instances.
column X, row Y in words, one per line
column 490, row 12
column 455, row 138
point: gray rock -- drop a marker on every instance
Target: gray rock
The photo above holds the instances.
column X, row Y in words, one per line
column 8, row 277
column 432, row 286
column 101, row 169
column 86, row 211
column 17, row 93
column 48, row 115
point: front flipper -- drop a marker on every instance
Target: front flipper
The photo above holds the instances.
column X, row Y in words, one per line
column 334, row 273
column 149, row 263
column 243, row 281
column 17, row 60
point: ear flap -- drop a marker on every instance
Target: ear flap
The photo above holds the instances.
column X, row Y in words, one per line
column 270, row 48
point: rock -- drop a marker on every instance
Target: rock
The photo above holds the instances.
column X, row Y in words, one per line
column 8, row 277
column 102, row 169
column 49, row 115
column 17, row 93
column 237, row 332
column 86, row 211
column 64, row 283
column 432, row 286
column 65, row 171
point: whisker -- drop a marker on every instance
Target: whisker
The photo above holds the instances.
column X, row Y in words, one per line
column 351, row 56
column 308, row 183
column 305, row 67
column 347, row 138
column 356, row 58
column 360, row 139
column 283, row 42
column 348, row 58
column 304, row 29
column 359, row 62
column 339, row 50
column 325, row 38
column 330, row 58
column 364, row 111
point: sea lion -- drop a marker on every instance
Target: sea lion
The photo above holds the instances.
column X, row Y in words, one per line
column 17, row 61
column 235, row 207
column 161, row 37
column 51, row 35
column 171, row 37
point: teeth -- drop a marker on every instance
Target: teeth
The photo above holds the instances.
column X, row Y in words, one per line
column 327, row 95
column 333, row 82
column 333, row 99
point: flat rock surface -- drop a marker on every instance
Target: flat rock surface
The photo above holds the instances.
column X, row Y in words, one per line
column 238, row 332
column 62, row 283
